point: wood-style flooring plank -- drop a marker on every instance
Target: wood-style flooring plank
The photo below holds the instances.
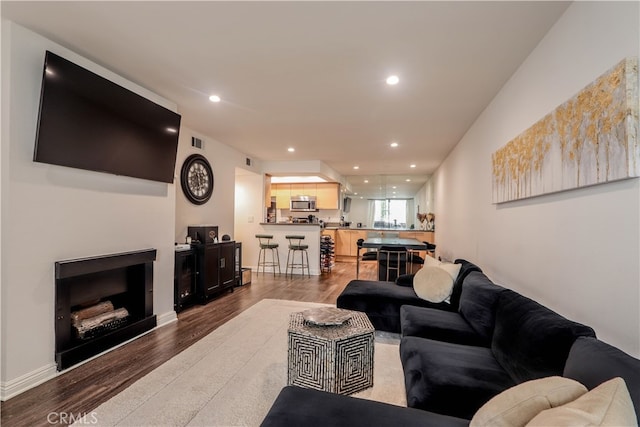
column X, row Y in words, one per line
column 80, row 390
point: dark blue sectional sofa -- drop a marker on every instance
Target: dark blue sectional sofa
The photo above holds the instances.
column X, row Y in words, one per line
column 457, row 357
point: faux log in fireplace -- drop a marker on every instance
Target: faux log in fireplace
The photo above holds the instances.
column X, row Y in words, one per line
column 123, row 282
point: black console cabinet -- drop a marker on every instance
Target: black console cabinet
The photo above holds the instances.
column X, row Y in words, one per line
column 215, row 265
column 184, row 280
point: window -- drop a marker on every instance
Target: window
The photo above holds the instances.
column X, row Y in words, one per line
column 390, row 213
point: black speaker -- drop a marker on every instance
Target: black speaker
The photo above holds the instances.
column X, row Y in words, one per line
column 203, row 233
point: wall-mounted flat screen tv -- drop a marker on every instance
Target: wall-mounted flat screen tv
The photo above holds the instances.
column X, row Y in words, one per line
column 88, row 122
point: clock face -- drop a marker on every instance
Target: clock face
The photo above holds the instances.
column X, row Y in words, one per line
column 196, row 179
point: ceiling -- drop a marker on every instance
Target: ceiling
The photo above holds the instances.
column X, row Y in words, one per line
column 311, row 75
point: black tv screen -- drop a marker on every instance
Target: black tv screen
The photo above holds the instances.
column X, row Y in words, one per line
column 88, row 122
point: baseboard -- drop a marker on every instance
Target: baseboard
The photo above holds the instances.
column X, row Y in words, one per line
column 12, row 388
column 166, row 318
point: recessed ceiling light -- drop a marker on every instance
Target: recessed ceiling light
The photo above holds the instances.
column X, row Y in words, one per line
column 291, row 149
column 214, row 98
column 356, row 167
column 394, row 144
column 392, row 80
column 408, row 180
column 172, row 130
column 394, row 187
column 366, row 181
column 412, row 166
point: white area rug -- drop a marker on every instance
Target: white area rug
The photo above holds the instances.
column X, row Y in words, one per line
column 232, row 376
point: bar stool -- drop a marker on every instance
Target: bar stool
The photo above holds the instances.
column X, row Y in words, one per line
column 266, row 245
column 295, row 245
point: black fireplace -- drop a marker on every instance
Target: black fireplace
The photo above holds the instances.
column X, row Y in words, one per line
column 121, row 281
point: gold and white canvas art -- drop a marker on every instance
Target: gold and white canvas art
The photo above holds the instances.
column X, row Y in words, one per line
column 590, row 139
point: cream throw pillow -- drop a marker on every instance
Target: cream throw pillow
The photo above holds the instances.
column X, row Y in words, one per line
column 433, row 284
column 451, row 268
column 609, row 404
column 516, row 406
column 430, row 261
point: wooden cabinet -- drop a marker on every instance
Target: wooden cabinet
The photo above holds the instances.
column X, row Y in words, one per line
column 331, row 233
column 303, row 189
column 282, row 193
column 346, row 242
column 423, row 236
column 216, row 266
column 328, row 195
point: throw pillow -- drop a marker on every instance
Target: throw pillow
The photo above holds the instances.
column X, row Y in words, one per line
column 452, row 269
column 430, row 261
column 516, row 406
column 609, row 404
column 432, row 284
column 449, row 267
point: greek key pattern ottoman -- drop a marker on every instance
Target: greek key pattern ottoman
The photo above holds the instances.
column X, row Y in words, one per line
column 334, row 358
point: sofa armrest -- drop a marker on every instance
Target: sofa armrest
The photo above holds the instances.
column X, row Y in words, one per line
column 297, row 406
column 592, row 362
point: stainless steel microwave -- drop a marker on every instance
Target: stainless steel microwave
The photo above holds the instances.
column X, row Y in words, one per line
column 303, row 204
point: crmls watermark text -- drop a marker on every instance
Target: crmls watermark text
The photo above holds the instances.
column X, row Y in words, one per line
column 67, row 418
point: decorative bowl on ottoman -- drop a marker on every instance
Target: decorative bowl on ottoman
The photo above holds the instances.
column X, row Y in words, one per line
column 332, row 352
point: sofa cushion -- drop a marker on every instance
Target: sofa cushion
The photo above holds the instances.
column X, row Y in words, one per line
column 466, row 267
column 531, row 341
column 450, row 379
column 297, row 406
column 438, row 325
column 478, row 302
column 609, row 404
column 405, row 280
column 382, row 301
column 433, row 284
column 516, row 406
column 592, row 362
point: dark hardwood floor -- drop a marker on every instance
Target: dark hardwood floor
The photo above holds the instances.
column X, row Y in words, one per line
column 83, row 388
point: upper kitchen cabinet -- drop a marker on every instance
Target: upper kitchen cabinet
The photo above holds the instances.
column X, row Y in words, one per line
column 328, row 195
column 282, row 193
column 304, row 189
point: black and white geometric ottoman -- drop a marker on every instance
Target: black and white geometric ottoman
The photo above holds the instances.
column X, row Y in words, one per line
column 332, row 350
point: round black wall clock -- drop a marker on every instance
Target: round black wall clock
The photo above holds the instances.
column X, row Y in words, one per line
column 196, row 179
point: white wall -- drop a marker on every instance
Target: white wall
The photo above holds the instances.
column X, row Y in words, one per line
column 578, row 251
column 52, row 213
column 219, row 210
column 359, row 212
column 249, row 213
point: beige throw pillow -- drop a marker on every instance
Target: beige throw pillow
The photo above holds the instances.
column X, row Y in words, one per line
column 452, row 269
column 432, row 284
column 516, row 406
column 609, row 404
column 430, row 261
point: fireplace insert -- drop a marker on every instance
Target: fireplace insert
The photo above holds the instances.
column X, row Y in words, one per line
column 101, row 302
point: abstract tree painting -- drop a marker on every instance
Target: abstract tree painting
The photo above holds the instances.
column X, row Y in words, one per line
column 590, row 139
